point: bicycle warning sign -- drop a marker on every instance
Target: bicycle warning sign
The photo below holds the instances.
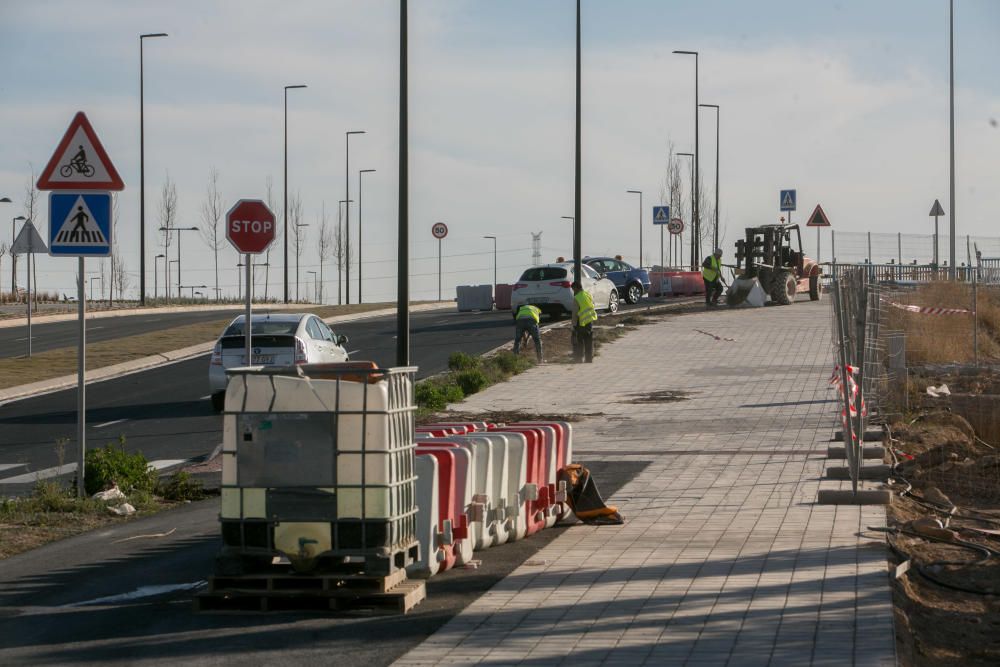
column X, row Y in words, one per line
column 80, row 162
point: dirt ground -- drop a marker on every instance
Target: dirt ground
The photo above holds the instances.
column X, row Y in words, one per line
column 947, row 606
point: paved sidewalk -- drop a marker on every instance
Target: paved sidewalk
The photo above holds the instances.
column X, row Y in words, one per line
column 724, row 559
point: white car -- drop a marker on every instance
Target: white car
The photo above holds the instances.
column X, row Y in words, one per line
column 550, row 288
column 277, row 339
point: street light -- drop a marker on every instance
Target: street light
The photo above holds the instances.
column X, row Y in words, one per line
column 315, row 293
column 494, row 263
column 193, row 288
column 13, row 257
column 92, row 279
column 951, row 145
column 680, row 249
column 695, row 221
column 639, row 192
column 297, row 242
column 715, row 232
column 178, row 230
column 341, row 205
column 287, row 88
column 142, row 174
column 156, row 288
column 363, row 171
column 347, row 223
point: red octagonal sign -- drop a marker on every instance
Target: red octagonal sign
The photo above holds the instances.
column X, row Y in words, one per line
column 250, row 226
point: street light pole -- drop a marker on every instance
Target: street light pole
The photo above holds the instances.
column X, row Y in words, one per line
column 639, row 192
column 951, row 98
column 315, row 292
column 403, row 225
column 494, row 263
column 695, row 220
column 178, row 230
column 578, row 195
column 347, row 219
column 285, row 196
column 156, row 266
column 13, row 257
column 342, row 260
column 681, row 247
column 142, row 173
column 715, row 232
column 297, row 253
column 362, row 171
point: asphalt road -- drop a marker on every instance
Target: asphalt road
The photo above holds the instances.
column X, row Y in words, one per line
column 54, row 335
column 165, row 412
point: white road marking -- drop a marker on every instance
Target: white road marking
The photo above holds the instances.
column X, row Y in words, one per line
column 32, row 477
column 8, row 466
column 94, row 328
column 117, row 421
column 139, row 593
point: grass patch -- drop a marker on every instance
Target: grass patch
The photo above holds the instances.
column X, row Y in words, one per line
column 56, row 363
column 467, row 375
column 947, row 338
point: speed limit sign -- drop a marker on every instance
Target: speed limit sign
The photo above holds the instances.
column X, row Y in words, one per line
column 675, row 226
column 439, row 230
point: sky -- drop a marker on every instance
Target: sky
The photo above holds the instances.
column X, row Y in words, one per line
column 845, row 101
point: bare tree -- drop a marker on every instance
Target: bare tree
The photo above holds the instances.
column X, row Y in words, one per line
column 672, row 192
column 30, row 211
column 323, row 246
column 168, row 216
column 298, row 233
column 211, row 216
column 120, row 279
column 3, row 251
column 271, row 204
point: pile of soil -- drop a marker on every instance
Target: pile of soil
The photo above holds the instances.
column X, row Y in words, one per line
column 947, row 606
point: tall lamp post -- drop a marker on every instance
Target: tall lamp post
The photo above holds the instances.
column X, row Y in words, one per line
column 715, row 232
column 347, row 219
column 156, row 265
column 362, row 171
column 695, row 220
column 342, row 264
column 285, row 196
column 142, row 174
column 693, row 191
column 178, row 230
column 951, row 124
column 297, row 253
column 494, row 264
column 13, row 257
column 639, row 192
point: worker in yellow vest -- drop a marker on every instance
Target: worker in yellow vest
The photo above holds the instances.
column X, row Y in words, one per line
column 526, row 320
column 711, row 273
column 584, row 316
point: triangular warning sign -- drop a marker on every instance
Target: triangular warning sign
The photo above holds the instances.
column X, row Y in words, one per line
column 788, row 200
column 936, row 209
column 80, row 162
column 79, row 228
column 28, row 241
column 818, row 218
column 661, row 215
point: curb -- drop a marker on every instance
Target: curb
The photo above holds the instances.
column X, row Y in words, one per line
column 164, row 358
column 41, row 318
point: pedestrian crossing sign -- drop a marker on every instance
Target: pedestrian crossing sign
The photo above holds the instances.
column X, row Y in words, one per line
column 661, row 215
column 80, row 224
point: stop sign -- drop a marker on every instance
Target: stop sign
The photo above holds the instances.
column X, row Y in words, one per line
column 250, row 226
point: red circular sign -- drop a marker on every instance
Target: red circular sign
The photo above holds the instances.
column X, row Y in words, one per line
column 439, row 230
column 675, row 226
column 250, row 226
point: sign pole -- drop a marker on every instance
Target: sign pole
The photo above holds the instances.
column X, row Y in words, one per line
column 29, row 299
column 817, row 245
column 935, row 241
column 81, row 387
column 439, row 269
column 246, row 328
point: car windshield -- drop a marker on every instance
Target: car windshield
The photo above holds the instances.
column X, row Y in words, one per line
column 263, row 327
column 544, row 273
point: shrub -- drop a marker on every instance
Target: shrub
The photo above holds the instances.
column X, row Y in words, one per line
column 460, row 361
column 510, row 363
column 181, row 486
column 471, row 381
column 437, row 395
column 113, row 465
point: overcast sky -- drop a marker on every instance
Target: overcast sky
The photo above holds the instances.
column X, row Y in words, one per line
column 846, row 101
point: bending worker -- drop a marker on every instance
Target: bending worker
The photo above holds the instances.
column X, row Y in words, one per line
column 711, row 273
column 527, row 320
column 584, row 316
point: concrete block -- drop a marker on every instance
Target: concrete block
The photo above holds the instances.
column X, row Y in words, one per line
column 838, row 452
column 880, row 472
column 871, row 435
column 848, row 497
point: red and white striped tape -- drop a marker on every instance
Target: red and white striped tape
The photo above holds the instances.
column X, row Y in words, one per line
column 929, row 310
column 852, row 396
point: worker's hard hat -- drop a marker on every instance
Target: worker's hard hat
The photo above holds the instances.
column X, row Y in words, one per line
column 718, row 251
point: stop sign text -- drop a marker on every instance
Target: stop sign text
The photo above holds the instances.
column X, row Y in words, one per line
column 250, row 226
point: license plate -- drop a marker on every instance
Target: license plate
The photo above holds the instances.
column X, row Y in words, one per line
column 537, row 301
column 259, row 359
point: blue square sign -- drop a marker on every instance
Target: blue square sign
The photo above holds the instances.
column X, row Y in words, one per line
column 661, row 215
column 80, row 224
column 787, row 200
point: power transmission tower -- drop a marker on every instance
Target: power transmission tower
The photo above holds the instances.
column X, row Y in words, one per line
column 536, row 248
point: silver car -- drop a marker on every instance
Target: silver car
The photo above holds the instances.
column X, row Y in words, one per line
column 276, row 339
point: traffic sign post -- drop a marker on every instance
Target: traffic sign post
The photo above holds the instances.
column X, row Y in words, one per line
column 80, row 226
column 936, row 210
column 787, row 201
column 818, row 220
column 661, row 215
column 439, row 230
column 28, row 242
column 250, row 229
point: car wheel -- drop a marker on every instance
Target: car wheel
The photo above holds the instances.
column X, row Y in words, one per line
column 219, row 401
column 613, row 302
column 633, row 293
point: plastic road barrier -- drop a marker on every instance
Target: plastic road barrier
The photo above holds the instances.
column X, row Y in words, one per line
column 501, row 296
column 535, row 490
column 474, row 297
column 462, row 510
column 482, row 521
column 428, row 520
column 564, row 456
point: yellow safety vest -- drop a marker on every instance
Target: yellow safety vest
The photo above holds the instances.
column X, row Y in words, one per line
column 528, row 310
column 711, row 274
column 585, row 309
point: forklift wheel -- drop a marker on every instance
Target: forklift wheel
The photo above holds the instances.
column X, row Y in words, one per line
column 814, row 290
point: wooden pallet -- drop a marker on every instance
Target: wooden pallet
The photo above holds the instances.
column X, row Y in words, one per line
column 394, row 594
